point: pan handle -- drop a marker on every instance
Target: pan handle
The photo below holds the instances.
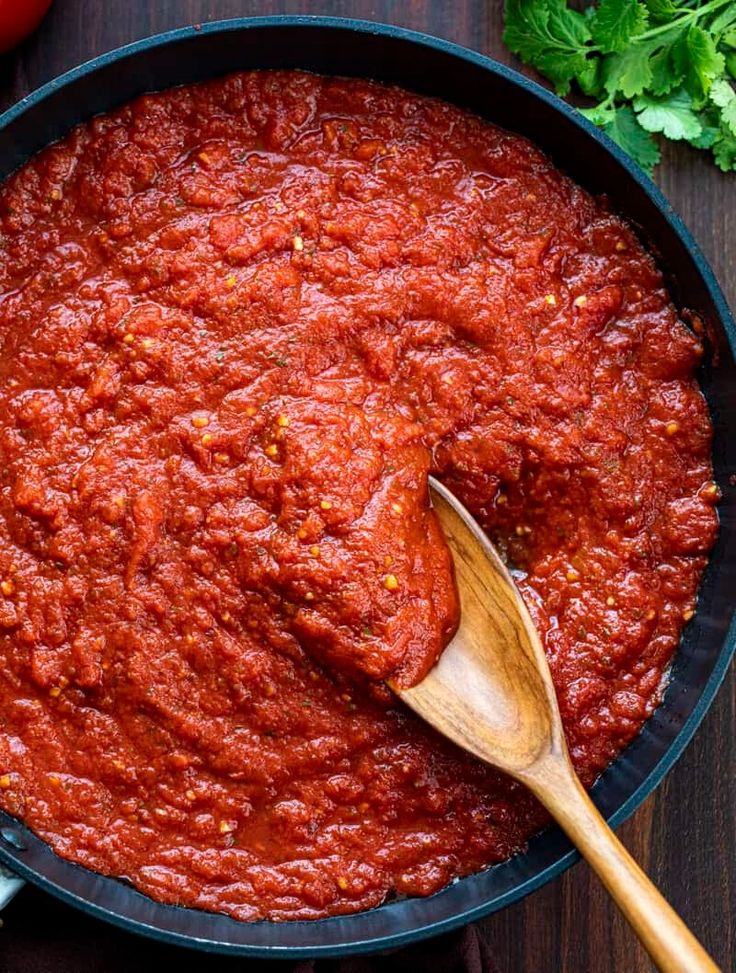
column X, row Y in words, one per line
column 10, row 885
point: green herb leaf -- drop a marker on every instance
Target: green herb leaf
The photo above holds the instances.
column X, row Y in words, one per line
column 629, row 72
column 661, row 10
column 724, row 20
column 707, row 138
column 696, row 57
column 550, row 36
column 673, row 115
column 665, row 76
column 723, row 95
column 724, row 152
column 626, row 132
column 589, row 79
column 655, row 67
column 601, row 115
column 616, row 22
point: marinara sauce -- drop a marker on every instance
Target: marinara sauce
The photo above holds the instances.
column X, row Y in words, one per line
column 240, row 323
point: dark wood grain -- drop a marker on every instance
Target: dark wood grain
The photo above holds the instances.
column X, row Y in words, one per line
column 685, row 834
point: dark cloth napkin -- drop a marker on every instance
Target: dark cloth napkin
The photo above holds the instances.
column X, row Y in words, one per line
column 41, row 935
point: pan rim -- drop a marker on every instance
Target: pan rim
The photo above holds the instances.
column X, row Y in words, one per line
column 683, row 736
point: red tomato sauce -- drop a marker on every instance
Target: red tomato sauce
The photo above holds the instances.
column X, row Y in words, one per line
column 240, row 323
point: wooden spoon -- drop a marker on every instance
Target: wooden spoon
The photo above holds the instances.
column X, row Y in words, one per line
column 491, row 693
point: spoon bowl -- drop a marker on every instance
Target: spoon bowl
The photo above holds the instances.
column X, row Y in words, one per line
column 502, row 707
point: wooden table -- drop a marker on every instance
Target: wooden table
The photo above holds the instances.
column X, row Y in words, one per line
column 684, row 835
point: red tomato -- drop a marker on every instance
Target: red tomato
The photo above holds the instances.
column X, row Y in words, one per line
column 18, row 18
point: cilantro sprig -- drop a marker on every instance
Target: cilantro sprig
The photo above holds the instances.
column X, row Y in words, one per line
column 656, row 68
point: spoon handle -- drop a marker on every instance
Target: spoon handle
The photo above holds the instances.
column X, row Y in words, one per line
column 662, row 932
